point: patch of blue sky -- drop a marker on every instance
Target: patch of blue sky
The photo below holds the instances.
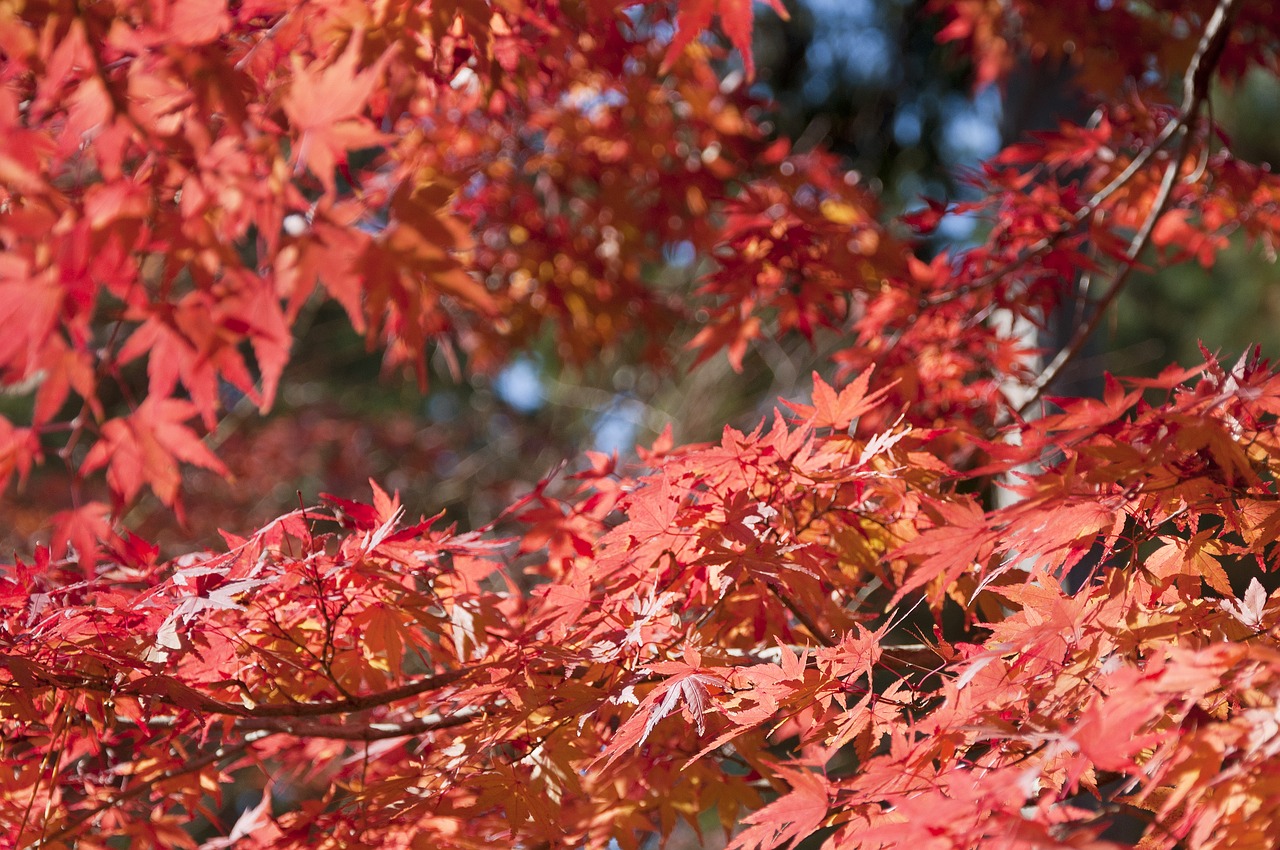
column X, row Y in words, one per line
column 616, row 428
column 849, row 44
column 971, row 127
column 859, row 55
column 908, row 126
column 957, row 228
column 592, row 102
column 520, row 385
column 679, row 254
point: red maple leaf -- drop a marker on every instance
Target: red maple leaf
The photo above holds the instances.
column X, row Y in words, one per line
column 81, row 533
column 736, row 19
column 686, row 688
column 19, row 448
column 326, row 105
column 792, row 816
column 147, row 446
column 961, row 538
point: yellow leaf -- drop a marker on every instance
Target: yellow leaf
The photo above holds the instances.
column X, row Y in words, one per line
column 840, row 212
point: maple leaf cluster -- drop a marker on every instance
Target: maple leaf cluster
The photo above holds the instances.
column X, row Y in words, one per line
column 821, row 629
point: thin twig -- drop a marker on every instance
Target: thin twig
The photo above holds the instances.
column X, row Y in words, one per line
column 1195, row 89
column 50, row 762
column 800, row 614
column 1195, row 93
column 142, row 787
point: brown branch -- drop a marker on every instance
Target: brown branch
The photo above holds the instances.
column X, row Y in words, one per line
column 1081, row 215
column 920, row 657
column 157, row 687
column 1195, row 93
column 367, row 701
column 347, row 705
column 51, row 761
column 799, row 613
column 357, row 731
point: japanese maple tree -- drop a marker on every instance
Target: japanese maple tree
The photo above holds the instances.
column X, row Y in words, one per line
column 824, row 628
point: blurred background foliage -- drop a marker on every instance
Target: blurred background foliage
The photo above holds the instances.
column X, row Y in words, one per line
column 865, row 78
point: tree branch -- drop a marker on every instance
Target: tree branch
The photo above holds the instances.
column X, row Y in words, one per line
column 358, row 731
column 1195, row 93
column 204, row 703
column 800, row 614
column 158, row 687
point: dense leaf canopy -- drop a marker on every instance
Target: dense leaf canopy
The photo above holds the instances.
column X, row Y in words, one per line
column 930, row 607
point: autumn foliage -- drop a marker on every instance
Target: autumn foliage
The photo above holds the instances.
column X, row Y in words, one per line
column 824, row 628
